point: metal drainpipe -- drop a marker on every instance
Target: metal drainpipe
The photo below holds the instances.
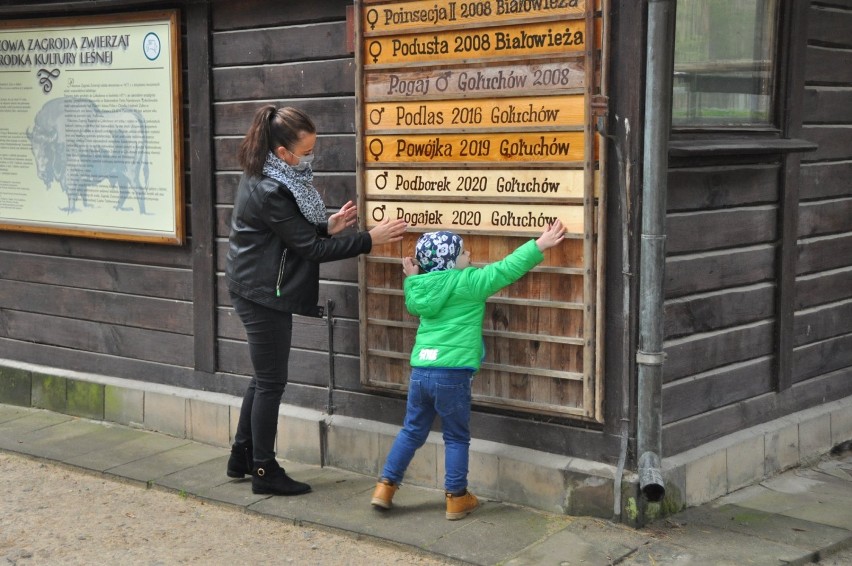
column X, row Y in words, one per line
column 624, row 170
column 650, row 356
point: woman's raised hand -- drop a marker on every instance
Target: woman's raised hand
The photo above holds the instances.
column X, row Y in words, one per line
column 343, row 218
column 388, row 231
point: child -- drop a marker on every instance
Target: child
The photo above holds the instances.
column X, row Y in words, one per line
column 449, row 297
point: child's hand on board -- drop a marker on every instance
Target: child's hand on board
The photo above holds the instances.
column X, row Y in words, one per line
column 552, row 236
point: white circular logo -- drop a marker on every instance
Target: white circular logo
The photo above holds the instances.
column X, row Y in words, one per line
column 151, row 46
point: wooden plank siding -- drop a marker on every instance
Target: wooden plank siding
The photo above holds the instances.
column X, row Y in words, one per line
column 828, row 104
column 723, row 253
column 293, row 56
column 722, row 232
column 823, row 316
column 824, row 253
column 826, row 179
column 823, row 287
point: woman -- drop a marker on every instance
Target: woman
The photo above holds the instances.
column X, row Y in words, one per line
column 280, row 233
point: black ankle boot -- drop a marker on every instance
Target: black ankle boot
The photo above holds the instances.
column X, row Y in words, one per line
column 241, row 461
column 270, row 479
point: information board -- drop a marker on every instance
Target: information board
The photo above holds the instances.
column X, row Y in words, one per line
column 476, row 117
column 90, row 135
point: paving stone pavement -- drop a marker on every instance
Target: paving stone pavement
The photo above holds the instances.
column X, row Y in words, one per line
column 797, row 517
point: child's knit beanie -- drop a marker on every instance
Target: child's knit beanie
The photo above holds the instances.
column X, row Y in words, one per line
column 438, row 251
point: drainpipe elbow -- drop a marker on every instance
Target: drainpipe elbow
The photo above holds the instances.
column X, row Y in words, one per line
column 651, row 482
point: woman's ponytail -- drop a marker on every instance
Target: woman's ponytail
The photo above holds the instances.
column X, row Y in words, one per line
column 254, row 147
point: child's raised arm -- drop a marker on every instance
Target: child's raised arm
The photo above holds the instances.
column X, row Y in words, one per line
column 554, row 234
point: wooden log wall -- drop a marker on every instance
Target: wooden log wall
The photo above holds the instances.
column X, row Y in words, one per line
column 726, row 363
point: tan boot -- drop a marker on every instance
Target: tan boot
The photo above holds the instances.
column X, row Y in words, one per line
column 458, row 506
column 383, row 494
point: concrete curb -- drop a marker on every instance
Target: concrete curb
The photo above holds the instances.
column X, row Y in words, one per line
column 793, row 518
column 549, row 482
column 553, row 483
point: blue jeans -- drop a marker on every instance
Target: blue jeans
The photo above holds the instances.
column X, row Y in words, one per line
column 443, row 392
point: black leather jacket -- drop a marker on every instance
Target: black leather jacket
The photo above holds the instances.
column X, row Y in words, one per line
column 274, row 252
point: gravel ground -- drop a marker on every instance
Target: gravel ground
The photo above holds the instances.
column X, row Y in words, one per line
column 842, row 558
column 51, row 514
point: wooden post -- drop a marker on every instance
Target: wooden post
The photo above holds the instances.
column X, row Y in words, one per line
column 793, row 81
column 202, row 190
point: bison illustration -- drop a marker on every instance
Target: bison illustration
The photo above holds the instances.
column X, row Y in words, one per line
column 79, row 146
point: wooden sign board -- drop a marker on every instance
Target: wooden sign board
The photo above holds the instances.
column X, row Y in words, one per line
column 535, row 78
column 501, row 113
column 411, row 16
column 473, row 217
column 475, row 117
column 475, row 184
column 524, row 40
column 476, row 148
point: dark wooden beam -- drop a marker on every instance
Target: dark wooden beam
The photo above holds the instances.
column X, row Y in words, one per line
column 626, row 70
column 713, row 147
column 202, row 192
column 791, row 89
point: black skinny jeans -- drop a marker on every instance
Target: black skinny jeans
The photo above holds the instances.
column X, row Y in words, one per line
column 270, row 333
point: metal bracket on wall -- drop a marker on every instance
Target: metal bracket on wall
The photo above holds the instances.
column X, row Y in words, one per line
column 650, row 358
column 329, row 309
column 600, row 106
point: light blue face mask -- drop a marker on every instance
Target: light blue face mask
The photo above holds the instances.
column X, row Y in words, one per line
column 304, row 161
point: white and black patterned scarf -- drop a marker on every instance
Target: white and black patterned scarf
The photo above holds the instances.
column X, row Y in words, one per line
column 300, row 184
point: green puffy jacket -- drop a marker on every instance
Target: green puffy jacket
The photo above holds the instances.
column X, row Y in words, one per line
column 451, row 306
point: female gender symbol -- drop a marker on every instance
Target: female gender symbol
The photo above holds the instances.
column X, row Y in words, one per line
column 375, row 50
column 372, row 18
column 372, row 148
